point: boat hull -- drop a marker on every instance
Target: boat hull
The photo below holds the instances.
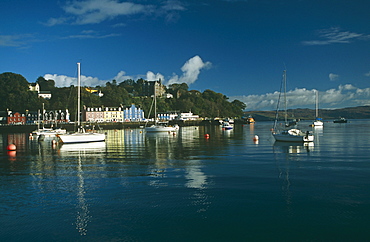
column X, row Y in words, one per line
column 158, row 128
column 81, row 138
column 293, row 135
column 318, row 123
column 49, row 132
column 340, row 121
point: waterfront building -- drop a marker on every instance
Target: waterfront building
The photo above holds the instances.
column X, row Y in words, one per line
column 187, row 116
column 133, row 114
column 95, row 115
column 16, row 118
column 113, row 114
column 32, row 117
column 167, row 116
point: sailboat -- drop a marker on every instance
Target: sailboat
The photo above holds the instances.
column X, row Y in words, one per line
column 289, row 135
column 46, row 132
column 80, row 136
column 318, row 121
column 157, row 127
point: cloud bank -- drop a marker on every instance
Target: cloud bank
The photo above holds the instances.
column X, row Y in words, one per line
column 190, row 73
column 66, row 81
column 343, row 96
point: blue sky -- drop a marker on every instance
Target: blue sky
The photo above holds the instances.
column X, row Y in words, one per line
column 239, row 48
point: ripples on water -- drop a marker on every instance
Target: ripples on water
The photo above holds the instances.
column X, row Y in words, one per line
column 165, row 187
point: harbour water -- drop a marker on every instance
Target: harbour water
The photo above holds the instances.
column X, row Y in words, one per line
column 189, row 187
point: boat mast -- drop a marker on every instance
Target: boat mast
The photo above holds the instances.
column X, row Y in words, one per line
column 155, row 102
column 317, row 104
column 285, row 101
column 282, row 86
column 78, row 95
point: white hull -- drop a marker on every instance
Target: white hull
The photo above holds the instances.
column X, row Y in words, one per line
column 159, row 128
column 49, row 132
column 81, row 138
column 227, row 126
column 293, row 135
column 318, row 123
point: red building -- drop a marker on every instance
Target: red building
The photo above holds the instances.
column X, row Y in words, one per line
column 16, row 118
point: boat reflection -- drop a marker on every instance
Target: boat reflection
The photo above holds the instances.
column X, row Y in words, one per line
column 86, row 153
column 83, row 148
column 83, row 214
column 294, row 148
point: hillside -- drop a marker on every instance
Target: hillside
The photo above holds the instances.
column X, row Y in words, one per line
column 362, row 112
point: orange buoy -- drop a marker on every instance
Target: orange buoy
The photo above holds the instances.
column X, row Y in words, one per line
column 206, row 136
column 11, row 147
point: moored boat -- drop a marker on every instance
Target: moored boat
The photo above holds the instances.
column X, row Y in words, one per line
column 226, row 126
column 318, row 121
column 341, row 120
column 290, row 135
column 80, row 136
column 157, row 127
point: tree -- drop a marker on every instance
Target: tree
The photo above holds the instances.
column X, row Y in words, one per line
column 15, row 93
column 45, row 85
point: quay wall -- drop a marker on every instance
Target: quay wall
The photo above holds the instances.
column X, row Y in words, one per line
column 28, row 128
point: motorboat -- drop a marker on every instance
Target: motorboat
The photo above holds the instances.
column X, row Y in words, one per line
column 341, row 120
column 226, row 126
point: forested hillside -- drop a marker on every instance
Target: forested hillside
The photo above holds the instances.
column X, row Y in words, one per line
column 362, row 112
column 15, row 95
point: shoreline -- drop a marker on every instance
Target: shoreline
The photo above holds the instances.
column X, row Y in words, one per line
column 28, row 128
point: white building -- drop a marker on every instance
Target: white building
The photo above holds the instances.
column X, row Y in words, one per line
column 187, row 116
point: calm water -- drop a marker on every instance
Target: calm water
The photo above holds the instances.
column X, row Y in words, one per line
column 141, row 187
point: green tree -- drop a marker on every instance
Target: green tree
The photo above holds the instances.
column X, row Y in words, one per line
column 45, row 85
column 15, row 93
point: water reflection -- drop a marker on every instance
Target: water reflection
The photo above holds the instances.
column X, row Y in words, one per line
column 291, row 152
column 294, row 148
column 82, row 217
column 79, row 149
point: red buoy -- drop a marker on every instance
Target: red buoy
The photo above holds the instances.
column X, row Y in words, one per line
column 11, row 147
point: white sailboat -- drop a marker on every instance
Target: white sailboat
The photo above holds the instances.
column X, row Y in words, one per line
column 46, row 132
column 159, row 127
column 80, row 136
column 290, row 135
column 318, row 121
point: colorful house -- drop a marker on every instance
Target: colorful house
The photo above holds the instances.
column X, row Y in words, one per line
column 133, row 114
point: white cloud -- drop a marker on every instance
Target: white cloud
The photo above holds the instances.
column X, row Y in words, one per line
column 334, row 35
column 121, row 76
column 16, row 40
column 150, row 76
column 367, row 74
column 191, row 70
column 10, row 40
column 66, row 81
column 343, row 96
column 97, row 11
column 333, row 77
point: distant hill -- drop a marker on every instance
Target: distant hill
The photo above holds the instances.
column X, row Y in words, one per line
column 362, row 112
